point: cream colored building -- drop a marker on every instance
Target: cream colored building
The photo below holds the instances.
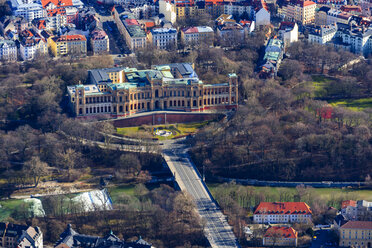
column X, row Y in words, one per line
column 356, row 234
column 301, row 12
column 115, row 92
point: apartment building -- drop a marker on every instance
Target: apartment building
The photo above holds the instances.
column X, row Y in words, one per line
column 28, row 9
column 163, row 38
column 56, row 19
column 337, row 4
column 31, row 44
column 20, row 236
column 126, row 91
column 322, row 34
column 144, row 11
column 260, row 13
column 196, row 35
column 68, row 44
column 8, row 50
column 299, row 11
column 280, row 236
column 288, row 32
column 356, row 234
column 354, row 39
column 282, row 212
column 130, row 28
column 238, row 9
column 99, row 42
column 168, row 9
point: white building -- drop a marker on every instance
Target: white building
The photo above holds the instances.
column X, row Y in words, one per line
column 163, row 38
column 144, row 11
column 262, row 17
column 168, row 10
column 28, row 9
column 282, row 212
column 322, row 34
column 194, row 35
column 288, row 32
column 349, row 209
column 237, row 9
column 8, row 50
column 32, row 44
column 357, row 39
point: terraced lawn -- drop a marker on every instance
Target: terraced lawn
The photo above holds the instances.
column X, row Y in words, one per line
column 353, row 104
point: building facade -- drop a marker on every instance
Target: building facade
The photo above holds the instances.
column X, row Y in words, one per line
column 300, row 11
column 168, row 9
column 322, row 34
column 131, row 30
column 356, row 234
column 163, row 38
column 8, row 50
column 19, row 236
column 99, row 42
column 32, row 44
column 282, row 212
column 288, row 32
column 280, row 236
column 354, row 39
column 28, row 9
column 68, row 44
column 196, row 35
column 118, row 92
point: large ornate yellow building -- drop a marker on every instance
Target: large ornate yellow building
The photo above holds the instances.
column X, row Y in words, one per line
column 115, row 92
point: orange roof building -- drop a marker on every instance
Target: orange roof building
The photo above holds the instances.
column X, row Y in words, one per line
column 282, row 212
column 68, row 44
column 280, row 236
column 347, row 203
column 52, row 4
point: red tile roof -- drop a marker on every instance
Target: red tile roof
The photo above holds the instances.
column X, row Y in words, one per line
column 131, row 21
column 150, row 24
column 348, row 8
column 41, row 24
column 191, row 30
column 283, row 208
column 70, row 38
column 347, row 203
column 282, row 231
column 58, row 3
column 308, row 3
column 358, row 225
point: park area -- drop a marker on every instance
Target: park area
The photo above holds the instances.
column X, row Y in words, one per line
column 162, row 132
column 320, row 83
column 332, row 197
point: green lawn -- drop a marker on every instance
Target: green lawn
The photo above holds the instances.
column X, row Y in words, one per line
column 353, row 104
column 327, row 194
column 8, row 207
column 122, row 189
column 176, row 129
column 318, row 83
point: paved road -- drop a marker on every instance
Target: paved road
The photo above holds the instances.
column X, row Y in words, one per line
column 218, row 231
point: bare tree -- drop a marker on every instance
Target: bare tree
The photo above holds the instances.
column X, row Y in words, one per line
column 36, row 169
